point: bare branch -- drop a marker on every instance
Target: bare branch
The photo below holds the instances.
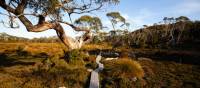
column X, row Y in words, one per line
column 6, row 7
column 20, row 8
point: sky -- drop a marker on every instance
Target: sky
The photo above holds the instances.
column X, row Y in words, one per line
column 136, row 12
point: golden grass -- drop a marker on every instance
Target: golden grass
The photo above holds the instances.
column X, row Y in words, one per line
column 37, row 75
column 34, row 48
column 124, row 68
column 97, row 46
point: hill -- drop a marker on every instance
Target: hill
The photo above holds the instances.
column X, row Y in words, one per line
column 175, row 35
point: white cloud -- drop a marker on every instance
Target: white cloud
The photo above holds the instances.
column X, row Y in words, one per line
column 139, row 19
column 188, row 7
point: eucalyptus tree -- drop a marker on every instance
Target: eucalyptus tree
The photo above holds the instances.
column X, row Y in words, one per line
column 169, row 28
column 88, row 22
column 182, row 19
column 165, row 20
column 115, row 17
column 181, row 22
column 50, row 14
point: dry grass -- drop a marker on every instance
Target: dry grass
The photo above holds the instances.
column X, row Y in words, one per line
column 124, row 68
column 170, row 74
column 44, row 74
column 23, row 65
column 121, row 73
column 101, row 46
column 33, row 48
column 18, row 70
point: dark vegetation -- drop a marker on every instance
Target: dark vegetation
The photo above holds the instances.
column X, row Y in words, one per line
column 171, row 52
column 174, row 34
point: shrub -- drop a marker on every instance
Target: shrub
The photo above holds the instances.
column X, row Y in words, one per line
column 58, row 73
column 91, row 65
column 21, row 51
column 124, row 68
column 75, row 57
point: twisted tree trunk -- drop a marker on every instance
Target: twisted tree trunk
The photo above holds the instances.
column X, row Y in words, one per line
column 43, row 25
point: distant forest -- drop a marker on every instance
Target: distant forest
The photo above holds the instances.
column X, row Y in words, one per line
column 6, row 38
column 178, row 32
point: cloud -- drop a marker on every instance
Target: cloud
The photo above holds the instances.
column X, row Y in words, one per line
column 188, row 7
column 142, row 17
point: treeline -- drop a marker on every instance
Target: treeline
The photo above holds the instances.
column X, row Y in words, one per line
column 178, row 32
column 5, row 38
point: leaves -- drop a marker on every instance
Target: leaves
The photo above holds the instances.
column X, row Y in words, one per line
column 182, row 19
column 116, row 17
column 91, row 22
column 109, row 1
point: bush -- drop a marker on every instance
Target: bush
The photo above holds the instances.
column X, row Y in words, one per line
column 75, row 57
column 124, row 68
column 91, row 65
column 21, row 51
column 55, row 72
column 122, row 73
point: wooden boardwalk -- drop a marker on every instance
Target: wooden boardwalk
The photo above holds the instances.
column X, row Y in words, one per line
column 94, row 80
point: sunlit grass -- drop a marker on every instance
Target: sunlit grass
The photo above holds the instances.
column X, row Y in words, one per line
column 124, row 68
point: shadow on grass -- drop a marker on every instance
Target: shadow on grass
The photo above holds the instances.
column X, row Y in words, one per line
column 105, row 53
column 178, row 57
column 6, row 61
column 56, row 77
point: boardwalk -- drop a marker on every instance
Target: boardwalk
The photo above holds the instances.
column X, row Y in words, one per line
column 94, row 81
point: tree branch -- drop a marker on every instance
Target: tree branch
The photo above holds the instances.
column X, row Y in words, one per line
column 20, row 8
column 74, row 27
column 6, row 7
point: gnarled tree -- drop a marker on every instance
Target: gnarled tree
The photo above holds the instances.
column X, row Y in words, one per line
column 51, row 13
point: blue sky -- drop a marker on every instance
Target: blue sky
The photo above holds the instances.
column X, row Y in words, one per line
column 137, row 12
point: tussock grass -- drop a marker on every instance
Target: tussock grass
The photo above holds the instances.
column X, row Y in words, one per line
column 124, row 68
column 121, row 73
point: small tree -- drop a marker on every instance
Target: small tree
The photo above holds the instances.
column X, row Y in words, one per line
column 93, row 23
column 181, row 21
column 115, row 18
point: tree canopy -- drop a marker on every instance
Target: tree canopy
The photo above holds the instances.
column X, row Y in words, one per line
column 93, row 23
column 116, row 17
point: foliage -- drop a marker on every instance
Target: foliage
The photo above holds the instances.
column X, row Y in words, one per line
column 31, row 72
column 50, row 14
column 170, row 74
column 21, row 51
column 94, row 23
column 75, row 57
column 174, row 34
column 122, row 73
column 115, row 17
